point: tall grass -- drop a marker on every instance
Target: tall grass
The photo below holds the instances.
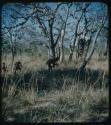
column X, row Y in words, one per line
column 64, row 95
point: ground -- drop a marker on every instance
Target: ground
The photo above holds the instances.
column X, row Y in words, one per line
column 64, row 95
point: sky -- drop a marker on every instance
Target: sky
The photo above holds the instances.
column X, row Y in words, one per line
column 6, row 11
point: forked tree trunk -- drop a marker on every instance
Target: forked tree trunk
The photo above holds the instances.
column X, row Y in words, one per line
column 76, row 29
column 92, row 48
column 51, row 52
column 75, row 38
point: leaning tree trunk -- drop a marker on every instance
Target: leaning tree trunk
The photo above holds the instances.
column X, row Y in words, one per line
column 62, row 38
column 61, row 45
column 75, row 38
column 76, row 29
column 92, row 48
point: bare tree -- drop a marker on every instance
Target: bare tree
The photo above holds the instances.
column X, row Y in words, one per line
column 48, row 31
column 62, row 35
column 76, row 34
column 89, row 55
column 53, row 26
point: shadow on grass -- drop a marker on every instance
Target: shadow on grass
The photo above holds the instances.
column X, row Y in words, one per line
column 98, row 113
column 45, row 80
column 38, row 115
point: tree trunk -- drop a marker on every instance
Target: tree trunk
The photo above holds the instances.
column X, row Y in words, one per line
column 12, row 63
column 51, row 52
column 92, row 48
column 106, row 50
column 61, row 45
column 51, row 40
column 75, row 41
column 75, row 38
column 62, row 38
column 70, row 55
column 86, row 51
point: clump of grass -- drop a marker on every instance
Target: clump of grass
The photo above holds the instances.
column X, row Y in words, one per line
column 28, row 96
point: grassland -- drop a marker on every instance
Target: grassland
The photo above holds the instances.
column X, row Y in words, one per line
column 64, row 95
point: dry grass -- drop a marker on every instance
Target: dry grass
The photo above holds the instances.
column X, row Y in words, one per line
column 100, row 65
column 64, row 97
